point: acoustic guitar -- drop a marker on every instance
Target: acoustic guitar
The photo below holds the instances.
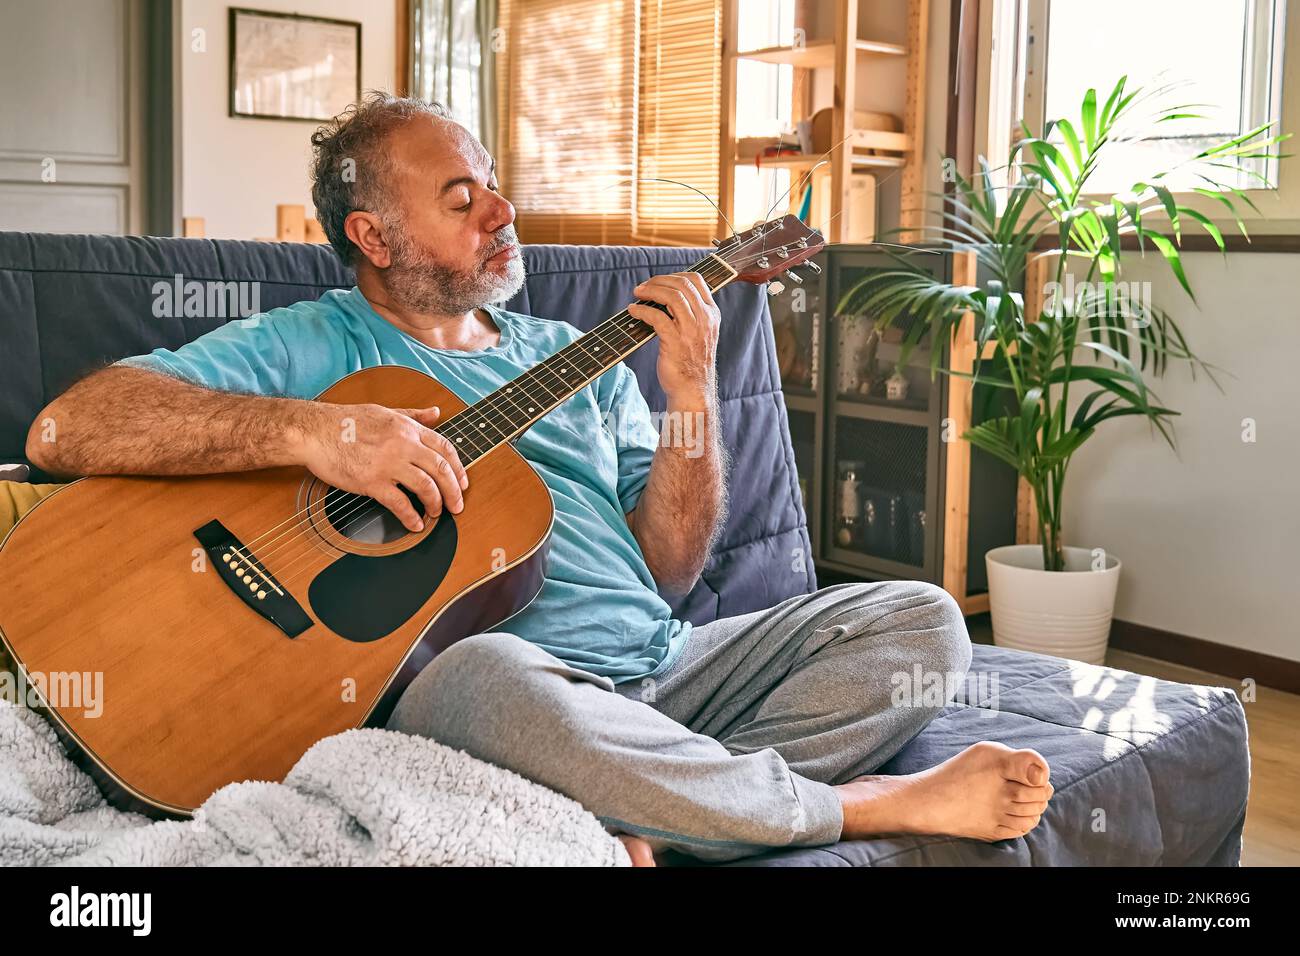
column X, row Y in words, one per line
column 232, row 621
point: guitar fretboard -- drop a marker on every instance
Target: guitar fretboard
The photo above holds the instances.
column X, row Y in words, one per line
column 509, row 411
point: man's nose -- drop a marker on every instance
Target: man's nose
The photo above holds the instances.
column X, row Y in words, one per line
column 502, row 213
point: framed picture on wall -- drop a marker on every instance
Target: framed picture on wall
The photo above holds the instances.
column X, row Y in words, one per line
column 287, row 66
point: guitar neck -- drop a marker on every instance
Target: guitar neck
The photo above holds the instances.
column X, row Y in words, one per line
column 514, row 407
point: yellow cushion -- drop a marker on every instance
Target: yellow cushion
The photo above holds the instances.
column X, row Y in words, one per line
column 16, row 499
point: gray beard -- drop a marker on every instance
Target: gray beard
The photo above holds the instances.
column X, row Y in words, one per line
column 420, row 282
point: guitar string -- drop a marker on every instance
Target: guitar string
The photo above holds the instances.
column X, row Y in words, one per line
column 345, row 522
column 488, row 414
column 452, row 429
column 635, row 344
column 487, row 408
column 311, row 549
column 449, row 423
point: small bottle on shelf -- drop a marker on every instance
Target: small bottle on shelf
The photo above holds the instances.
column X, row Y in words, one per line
column 848, row 505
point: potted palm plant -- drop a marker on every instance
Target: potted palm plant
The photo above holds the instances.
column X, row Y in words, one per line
column 1053, row 377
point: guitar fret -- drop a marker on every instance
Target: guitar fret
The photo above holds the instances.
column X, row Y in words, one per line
column 505, row 392
column 513, row 407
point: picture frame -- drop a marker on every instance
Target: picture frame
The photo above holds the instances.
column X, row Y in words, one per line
column 286, row 66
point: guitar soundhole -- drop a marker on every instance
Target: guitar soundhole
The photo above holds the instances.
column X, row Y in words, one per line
column 365, row 520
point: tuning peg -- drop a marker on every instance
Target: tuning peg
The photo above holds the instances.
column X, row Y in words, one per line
column 775, row 287
column 813, row 267
column 716, row 242
column 794, row 277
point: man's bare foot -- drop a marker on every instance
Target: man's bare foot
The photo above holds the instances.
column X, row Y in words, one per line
column 986, row 792
column 638, row 850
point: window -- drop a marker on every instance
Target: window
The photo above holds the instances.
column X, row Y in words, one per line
column 447, row 52
column 1223, row 54
column 596, row 95
column 765, row 108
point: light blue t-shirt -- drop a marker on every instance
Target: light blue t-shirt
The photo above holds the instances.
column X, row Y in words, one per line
column 598, row 608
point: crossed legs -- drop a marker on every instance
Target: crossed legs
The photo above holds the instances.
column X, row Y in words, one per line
column 764, row 732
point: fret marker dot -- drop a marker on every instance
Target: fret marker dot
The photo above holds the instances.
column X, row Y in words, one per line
column 459, row 440
column 482, row 424
column 530, row 408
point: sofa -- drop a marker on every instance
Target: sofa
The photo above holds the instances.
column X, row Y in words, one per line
column 1147, row 772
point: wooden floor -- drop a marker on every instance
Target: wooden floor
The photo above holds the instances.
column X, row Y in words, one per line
column 1272, row 835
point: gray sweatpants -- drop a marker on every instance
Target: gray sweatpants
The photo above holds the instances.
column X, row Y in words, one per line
column 736, row 747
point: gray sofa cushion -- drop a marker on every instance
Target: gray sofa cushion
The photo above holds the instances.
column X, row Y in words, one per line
column 1147, row 772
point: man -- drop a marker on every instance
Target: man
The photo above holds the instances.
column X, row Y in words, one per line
column 719, row 741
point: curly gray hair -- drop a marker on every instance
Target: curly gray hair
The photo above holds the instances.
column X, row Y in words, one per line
column 350, row 166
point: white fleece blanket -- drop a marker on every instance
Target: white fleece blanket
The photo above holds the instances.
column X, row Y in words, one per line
column 361, row 798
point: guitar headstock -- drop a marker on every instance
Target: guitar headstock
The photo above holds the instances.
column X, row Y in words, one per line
column 760, row 254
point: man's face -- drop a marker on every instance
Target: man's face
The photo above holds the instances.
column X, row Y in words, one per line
column 451, row 236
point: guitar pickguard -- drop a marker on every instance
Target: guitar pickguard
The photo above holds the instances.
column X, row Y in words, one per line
column 367, row 597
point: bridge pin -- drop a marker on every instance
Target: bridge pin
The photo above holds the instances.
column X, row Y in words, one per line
column 261, row 595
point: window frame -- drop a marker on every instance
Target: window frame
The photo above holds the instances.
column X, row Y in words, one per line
column 1276, row 89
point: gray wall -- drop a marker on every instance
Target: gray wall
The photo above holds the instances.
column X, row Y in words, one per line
column 236, row 169
column 1209, row 537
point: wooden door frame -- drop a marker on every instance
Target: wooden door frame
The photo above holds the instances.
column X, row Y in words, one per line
column 161, row 166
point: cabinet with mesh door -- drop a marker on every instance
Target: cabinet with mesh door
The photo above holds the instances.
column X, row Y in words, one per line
column 874, row 435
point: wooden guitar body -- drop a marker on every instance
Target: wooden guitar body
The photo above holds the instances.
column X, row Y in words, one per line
column 204, row 681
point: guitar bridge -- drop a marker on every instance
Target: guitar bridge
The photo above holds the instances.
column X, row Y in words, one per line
column 252, row 583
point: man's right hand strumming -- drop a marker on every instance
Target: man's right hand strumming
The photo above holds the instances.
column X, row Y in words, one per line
column 370, row 450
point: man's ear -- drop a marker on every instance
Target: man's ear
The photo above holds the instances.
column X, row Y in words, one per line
column 367, row 234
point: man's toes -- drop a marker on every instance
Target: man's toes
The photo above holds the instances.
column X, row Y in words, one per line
column 1027, row 767
column 1012, row 826
column 1019, row 793
column 1027, row 823
column 638, row 849
column 1006, row 832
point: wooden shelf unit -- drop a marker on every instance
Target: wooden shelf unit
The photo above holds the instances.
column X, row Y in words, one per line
column 801, row 162
column 749, row 147
column 811, row 56
column 844, row 55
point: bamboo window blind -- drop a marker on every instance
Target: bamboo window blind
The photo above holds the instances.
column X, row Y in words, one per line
column 597, row 96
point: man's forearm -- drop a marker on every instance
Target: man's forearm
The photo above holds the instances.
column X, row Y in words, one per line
column 678, row 515
column 129, row 421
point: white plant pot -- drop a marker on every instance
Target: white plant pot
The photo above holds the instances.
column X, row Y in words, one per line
column 1064, row 613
